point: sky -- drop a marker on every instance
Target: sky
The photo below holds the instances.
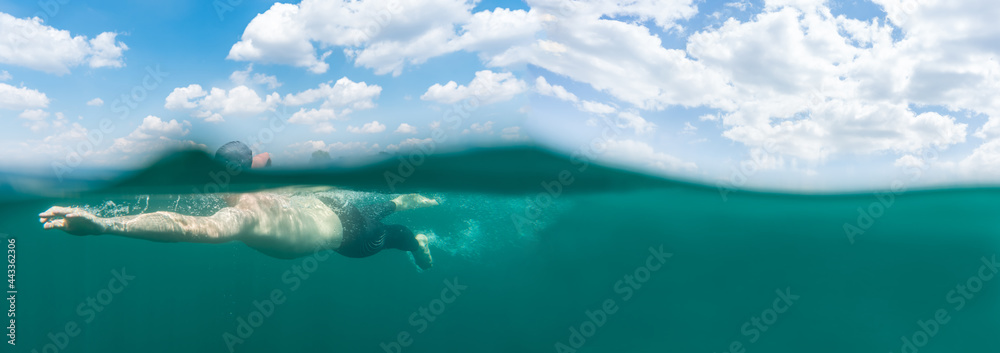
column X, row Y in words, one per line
column 775, row 94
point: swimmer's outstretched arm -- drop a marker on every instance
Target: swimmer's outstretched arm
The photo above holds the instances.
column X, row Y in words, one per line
column 226, row 225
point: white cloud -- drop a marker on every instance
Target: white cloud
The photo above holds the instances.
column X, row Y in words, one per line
column 96, row 102
column 343, row 93
column 983, row 163
column 181, row 97
column 408, row 144
column 35, row 119
column 909, row 161
column 373, row 127
column 244, row 77
column 512, row 133
column 488, row 87
column 338, row 100
column 213, row 105
column 319, row 119
column 151, row 139
column 595, row 107
column 688, row 128
column 544, row 88
column 382, row 35
column 624, row 59
column 818, row 85
column 491, row 32
column 17, row 98
column 29, row 43
column 484, row 128
column 5, row 76
column 637, row 153
column 154, row 127
column 305, row 149
column 635, row 122
column 405, row 128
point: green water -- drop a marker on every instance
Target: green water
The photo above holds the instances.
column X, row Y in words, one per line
column 530, row 272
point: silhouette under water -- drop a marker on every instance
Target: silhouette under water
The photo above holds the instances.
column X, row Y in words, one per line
column 534, row 252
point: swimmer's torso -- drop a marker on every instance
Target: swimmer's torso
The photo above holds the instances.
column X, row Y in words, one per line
column 289, row 226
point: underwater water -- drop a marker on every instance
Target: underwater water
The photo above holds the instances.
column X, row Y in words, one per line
column 533, row 252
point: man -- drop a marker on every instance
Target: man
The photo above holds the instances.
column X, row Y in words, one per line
column 278, row 225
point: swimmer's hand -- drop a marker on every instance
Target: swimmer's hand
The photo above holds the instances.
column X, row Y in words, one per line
column 412, row 201
column 74, row 221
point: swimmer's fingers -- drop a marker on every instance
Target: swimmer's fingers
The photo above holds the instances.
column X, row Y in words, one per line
column 57, row 211
column 78, row 223
column 55, row 224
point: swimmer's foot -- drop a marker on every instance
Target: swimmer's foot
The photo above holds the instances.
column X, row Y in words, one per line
column 422, row 256
column 412, row 201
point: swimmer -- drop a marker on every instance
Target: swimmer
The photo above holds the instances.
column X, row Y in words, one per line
column 275, row 224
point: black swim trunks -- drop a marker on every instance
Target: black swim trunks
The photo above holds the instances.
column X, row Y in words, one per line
column 364, row 233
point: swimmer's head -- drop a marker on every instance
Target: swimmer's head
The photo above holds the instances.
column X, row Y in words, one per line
column 234, row 155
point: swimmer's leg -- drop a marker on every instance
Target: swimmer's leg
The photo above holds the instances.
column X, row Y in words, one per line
column 412, row 201
column 423, row 255
column 402, row 238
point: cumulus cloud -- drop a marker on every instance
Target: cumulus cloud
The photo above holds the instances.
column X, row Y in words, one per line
column 337, row 101
column 480, row 128
column 342, row 94
column 5, row 76
column 632, row 120
column 821, row 85
column 17, row 98
column 218, row 102
column 154, row 127
column 373, row 127
column 152, row 137
column 29, row 43
column 544, row 88
column 488, row 87
column 408, row 144
column 512, row 133
column 305, row 149
column 36, row 119
column 244, row 77
column 637, row 153
column 382, row 35
column 319, row 119
column 405, row 128
column 595, row 107
column 96, row 102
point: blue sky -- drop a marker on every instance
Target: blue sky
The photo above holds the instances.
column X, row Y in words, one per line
column 786, row 94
